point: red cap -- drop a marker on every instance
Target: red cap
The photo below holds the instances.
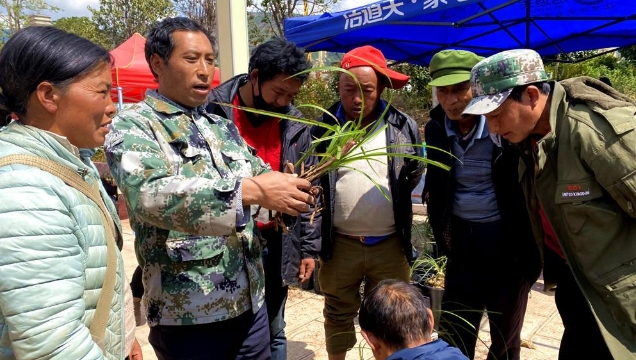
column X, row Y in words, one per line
column 370, row 56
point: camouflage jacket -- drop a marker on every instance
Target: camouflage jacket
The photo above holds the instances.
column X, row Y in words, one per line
column 180, row 172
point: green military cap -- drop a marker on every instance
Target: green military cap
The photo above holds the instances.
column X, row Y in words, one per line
column 493, row 78
column 450, row 67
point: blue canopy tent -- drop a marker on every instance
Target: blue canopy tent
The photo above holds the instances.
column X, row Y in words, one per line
column 414, row 30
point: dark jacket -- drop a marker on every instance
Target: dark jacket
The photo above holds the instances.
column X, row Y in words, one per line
column 516, row 248
column 586, row 182
column 303, row 240
column 404, row 175
column 436, row 350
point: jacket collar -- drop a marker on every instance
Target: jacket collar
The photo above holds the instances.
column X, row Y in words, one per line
column 163, row 105
column 225, row 93
column 393, row 116
column 43, row 143
column 227, row 90
column 63, row 140
column 437, row 114
column 558, row 108
column 419, row 351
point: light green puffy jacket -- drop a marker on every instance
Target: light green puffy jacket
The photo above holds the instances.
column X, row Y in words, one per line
column 52, row 257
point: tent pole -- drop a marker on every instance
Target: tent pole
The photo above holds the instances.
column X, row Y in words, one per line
column 528, row 24
column 120, row 98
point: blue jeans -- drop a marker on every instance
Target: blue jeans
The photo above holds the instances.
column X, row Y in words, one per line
column 275, row 298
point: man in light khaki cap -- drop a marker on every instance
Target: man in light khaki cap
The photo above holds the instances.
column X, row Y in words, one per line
column 493, row 258
column 578, row 137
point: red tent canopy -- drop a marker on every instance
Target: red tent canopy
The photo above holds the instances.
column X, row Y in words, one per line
column 131, row 72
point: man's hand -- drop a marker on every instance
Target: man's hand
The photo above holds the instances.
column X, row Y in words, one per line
column 277, row 191
column 307, row 267
column 135, row 352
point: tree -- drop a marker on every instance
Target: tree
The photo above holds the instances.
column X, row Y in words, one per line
column 18, row 11
column 202, row 11
column 629, row 53
column 416, row 98
column 84, row 27
column 120, row 19
column 274, row 12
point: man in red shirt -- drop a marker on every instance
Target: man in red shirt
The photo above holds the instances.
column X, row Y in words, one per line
column 271, row 84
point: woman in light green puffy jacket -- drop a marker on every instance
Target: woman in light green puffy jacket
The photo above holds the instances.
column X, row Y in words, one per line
column 53, row 245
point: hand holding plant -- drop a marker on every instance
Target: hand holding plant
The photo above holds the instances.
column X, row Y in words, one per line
column 341, row 144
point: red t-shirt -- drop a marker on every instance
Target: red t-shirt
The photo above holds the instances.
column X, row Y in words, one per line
column 549, row 236
column 265, row 139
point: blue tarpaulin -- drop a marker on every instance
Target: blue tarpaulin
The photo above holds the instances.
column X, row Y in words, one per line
column 414, row 30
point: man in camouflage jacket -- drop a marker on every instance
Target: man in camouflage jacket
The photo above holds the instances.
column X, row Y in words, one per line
column 189, row 180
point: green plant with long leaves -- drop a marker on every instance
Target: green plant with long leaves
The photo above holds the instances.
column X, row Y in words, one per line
column 429, row 270
column 345, row 142
column 341, row 138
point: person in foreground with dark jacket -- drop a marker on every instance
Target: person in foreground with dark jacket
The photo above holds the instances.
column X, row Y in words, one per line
column 271, row 85
column 578, row 140
column 365, row 235
column 477, row 211
column 397, row 325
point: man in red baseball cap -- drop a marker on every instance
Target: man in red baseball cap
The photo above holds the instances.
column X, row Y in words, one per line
column 364, row 234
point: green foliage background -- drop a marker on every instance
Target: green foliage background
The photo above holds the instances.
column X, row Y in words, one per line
column 415, row 99
column 117, row 20
column 84, row 27
column 620, row 71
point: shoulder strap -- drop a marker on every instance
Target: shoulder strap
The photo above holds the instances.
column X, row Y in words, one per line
column 73, row 179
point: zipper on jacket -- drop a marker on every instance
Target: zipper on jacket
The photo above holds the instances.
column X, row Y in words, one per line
column 82, row 172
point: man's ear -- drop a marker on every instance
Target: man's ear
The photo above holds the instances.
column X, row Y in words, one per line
column 48, row 96
column 371, row 340
column 533, row 94
column 431, row 321
column 157, row 64
column 254, row 75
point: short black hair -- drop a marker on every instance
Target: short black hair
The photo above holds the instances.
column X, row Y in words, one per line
column 606, row 80
column 159, row 39
column 278, row 56
column 43, row 53
column 395, row 312
column 543, row 86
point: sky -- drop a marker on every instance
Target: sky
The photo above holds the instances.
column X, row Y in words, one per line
column 79, row 7
column 72, row 7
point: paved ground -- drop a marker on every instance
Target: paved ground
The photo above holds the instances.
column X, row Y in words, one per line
column 541, row 332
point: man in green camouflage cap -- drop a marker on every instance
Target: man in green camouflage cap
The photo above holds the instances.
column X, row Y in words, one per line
column 481, row 201
column 578, row 137
column 189, row 180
